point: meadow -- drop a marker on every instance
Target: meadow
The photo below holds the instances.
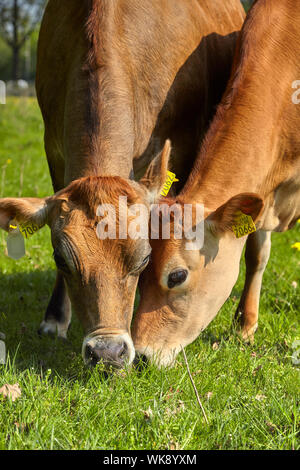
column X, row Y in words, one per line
column 250, row 392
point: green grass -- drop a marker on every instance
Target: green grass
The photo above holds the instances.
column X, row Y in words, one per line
column 250, row 393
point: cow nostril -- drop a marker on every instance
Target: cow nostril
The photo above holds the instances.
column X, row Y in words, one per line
column 92, row 354
column 88, row 351
column 140, row 361
column 123, row 350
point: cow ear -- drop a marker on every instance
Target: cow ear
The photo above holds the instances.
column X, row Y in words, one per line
column 23, row 210
column 157, row 172
column 224, row 217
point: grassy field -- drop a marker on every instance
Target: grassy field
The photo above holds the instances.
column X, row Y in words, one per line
column 250, row 393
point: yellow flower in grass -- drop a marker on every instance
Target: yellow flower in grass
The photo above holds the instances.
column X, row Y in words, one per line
column 296, row 246
column 8, row 161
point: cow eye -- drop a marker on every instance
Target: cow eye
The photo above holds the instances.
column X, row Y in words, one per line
column 60, row 261
column 144, row 263
column 177, row 277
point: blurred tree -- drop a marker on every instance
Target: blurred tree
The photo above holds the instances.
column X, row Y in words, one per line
column 18, row 20
column 5, row 60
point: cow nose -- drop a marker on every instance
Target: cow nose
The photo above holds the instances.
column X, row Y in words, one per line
column 111, row 353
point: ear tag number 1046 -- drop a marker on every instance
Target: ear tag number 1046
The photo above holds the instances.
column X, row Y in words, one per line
column 243, row 225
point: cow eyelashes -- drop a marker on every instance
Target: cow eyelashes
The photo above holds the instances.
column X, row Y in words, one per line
column 142, row 266
column 60, row 261
column 145, row 262
column 177, row 277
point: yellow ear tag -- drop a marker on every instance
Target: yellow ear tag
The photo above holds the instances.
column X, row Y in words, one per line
column 29, row 229
column 244, row 225
column 167, row 186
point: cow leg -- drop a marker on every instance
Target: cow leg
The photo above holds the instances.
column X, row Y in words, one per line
column 58, row 314
column 257, row 255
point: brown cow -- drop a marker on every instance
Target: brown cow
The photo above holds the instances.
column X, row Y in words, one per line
column 249, row 162
column 114, row 80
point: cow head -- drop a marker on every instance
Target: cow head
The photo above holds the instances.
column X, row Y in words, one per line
column 101, row 273
column 183, row 289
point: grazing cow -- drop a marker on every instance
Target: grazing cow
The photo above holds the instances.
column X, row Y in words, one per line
column 249, row 162
column 114, row 80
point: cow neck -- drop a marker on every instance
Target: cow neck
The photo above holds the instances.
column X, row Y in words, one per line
column 241, row 152
column 237, row 157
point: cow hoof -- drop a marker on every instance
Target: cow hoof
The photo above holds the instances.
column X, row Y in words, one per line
column 52, row 328
column 247, row 333
column 243, row 327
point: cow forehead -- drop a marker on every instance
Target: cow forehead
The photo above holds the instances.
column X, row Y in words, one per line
column 87, row 193
column 78, row 204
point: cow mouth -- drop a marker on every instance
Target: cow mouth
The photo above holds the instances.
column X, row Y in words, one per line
column 160, row 357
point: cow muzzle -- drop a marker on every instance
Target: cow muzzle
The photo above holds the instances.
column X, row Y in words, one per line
column 113, row 351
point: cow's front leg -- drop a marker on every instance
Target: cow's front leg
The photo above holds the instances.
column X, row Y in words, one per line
column 257, row 255
column 58, row 313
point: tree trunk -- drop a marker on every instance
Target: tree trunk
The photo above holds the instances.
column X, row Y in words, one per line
column 15, row 46
column 15, row 63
